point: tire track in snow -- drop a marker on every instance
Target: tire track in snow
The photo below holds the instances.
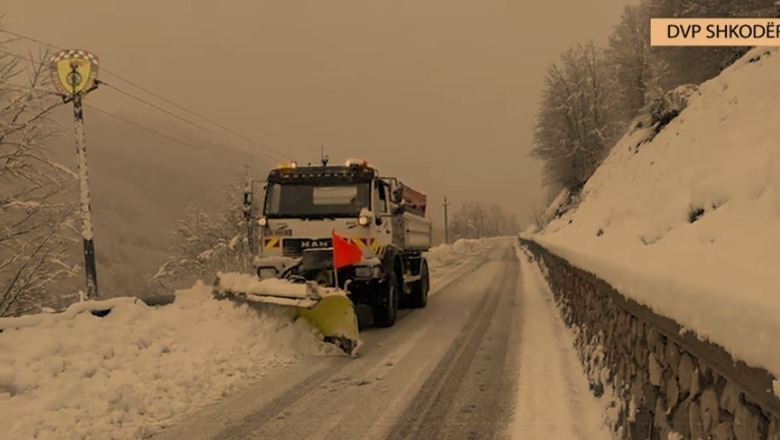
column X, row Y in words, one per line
column 466, row 396
column 338, row 378
column 276, row 407
column 453, row 274
column 553, row 396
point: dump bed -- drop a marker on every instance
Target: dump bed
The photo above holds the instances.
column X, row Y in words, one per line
column 414, row 201
column 416, row 231
column 412, row 231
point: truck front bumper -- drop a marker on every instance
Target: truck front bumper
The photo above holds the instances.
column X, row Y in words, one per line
column 367, row 292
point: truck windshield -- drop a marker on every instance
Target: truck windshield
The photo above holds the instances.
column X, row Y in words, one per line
column 295, row 200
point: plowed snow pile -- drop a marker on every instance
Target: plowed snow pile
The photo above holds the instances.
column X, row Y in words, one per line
column 137, row 369
column 689, row 223
column 461, row 250
column 447, row 261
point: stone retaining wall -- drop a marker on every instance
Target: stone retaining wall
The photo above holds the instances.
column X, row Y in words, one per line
column 663, row 383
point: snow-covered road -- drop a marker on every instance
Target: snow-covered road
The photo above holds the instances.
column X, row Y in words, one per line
column 488, row 358
column 449, row 371
column 441, row 365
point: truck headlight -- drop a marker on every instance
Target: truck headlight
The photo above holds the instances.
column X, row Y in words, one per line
column 262, row 221
column 363, row 220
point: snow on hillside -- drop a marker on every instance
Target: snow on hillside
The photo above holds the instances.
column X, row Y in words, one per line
column 138, row 369
column 689, row 223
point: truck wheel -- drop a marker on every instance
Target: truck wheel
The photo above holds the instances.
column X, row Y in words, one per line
column 418, row 298
column 385, row 316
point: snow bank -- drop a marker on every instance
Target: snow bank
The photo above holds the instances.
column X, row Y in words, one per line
column 139, row 368
column 49, row 317
column 449, row 261
column 689, row 222
column 450, row 254
column 553, row 401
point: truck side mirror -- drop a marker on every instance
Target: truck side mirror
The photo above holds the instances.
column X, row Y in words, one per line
column 396, row 195
column 247, row 208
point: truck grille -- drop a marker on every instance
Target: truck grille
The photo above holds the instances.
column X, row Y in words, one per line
column 294, row 247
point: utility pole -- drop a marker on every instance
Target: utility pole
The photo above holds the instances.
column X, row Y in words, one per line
column 323, row 157
column 249, row 218
column 74, row 73
column 446, row 223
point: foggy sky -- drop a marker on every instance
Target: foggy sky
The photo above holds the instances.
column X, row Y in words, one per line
column 440, row 93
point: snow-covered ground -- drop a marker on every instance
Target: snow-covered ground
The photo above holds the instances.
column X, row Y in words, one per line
column 447, row 261
column 554, row 401
column 139, row 369
column 445, row 255
column 689, row 223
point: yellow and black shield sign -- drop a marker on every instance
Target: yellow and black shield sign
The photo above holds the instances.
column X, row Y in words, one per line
column 74, row 71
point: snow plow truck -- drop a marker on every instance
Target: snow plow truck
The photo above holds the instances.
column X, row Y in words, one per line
column 329, row 237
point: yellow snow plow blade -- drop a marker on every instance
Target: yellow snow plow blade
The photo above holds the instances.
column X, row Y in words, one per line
column 328, row 309
column 334, row 316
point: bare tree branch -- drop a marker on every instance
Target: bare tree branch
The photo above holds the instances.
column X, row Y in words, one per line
column 575, row 127
column 208, row 242
column 34, row 215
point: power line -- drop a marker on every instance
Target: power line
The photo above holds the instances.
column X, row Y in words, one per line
column 132, row 96
column 126, row 93
column 166, row 100
column 26, row 123
column 153, row 131
column 191, row 112
column 24, row 88
column 37, row 63
column 25, row 37
column 115, row 116
column 143, row 101
column 274, row 153
column 112, row 115
column 194, row 124
column 150, row 104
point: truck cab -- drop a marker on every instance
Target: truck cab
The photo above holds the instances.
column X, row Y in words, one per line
column 304, row 206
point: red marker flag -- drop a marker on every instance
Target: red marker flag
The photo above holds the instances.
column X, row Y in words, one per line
column 345, row 252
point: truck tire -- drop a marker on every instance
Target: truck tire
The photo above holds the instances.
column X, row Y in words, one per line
column 385, row 316
column 418, row 298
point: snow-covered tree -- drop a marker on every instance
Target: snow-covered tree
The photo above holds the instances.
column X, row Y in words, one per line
column 591, row 96
column 209, row 242
column 35, row 223
column 576, row 124
column 637, row 73
column 478, row 220
column 694, row 65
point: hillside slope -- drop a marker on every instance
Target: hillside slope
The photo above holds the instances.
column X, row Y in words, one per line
column 141, row 184
column 689, row 222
